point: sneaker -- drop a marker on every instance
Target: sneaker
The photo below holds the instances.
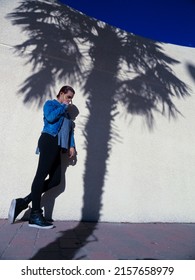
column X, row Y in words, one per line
column 38, row 221
column 16, row 207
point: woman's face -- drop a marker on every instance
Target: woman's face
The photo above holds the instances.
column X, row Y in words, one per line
column 67, row 97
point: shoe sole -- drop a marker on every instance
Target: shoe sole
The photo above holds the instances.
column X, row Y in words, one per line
column 12, row 211
column 40, row 227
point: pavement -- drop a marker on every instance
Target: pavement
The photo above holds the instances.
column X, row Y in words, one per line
column 74, row 240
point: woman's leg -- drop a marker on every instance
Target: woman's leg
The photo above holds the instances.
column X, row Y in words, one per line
column 49, row 157
column 49, row 164
column 53, row 180
column 54, row 175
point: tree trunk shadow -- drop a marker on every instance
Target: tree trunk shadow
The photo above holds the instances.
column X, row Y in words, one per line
column 70, row 244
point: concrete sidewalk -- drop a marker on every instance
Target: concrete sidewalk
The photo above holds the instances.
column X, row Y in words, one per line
column 97, row 241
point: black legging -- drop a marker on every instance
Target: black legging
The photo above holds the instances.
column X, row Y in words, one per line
column 49, row 164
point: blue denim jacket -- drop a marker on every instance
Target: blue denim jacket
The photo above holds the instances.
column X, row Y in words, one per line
column 53, row 116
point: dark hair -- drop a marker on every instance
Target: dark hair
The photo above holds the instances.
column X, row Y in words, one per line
column 65, row 89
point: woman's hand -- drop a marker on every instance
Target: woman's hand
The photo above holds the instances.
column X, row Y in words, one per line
column 67, row 99
column 71, row 152
column 66, row 102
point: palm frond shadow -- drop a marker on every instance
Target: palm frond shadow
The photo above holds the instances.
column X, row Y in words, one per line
column 191, row 69
column 59, row 42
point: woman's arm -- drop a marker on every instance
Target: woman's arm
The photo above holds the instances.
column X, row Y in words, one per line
column 53, row 113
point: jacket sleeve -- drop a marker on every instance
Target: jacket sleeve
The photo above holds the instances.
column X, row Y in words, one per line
column 71, row 137
column 52, row 112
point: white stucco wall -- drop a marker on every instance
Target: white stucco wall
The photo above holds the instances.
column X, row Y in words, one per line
column 149, row 174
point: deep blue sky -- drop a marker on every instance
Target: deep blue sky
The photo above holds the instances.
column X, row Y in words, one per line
column 168, row 21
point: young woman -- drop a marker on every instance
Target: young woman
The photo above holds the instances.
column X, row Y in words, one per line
column 57, row 134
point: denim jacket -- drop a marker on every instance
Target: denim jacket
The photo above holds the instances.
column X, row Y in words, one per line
column 53, row 116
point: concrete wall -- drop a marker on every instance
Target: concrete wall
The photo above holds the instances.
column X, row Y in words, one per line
column 135, row 130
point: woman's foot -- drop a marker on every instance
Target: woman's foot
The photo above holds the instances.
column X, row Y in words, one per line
column 16, row 207
column 38, row 221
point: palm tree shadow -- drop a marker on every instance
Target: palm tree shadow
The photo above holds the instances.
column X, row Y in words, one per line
column 69, row 245
column 147, row 86
column 191, row 69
